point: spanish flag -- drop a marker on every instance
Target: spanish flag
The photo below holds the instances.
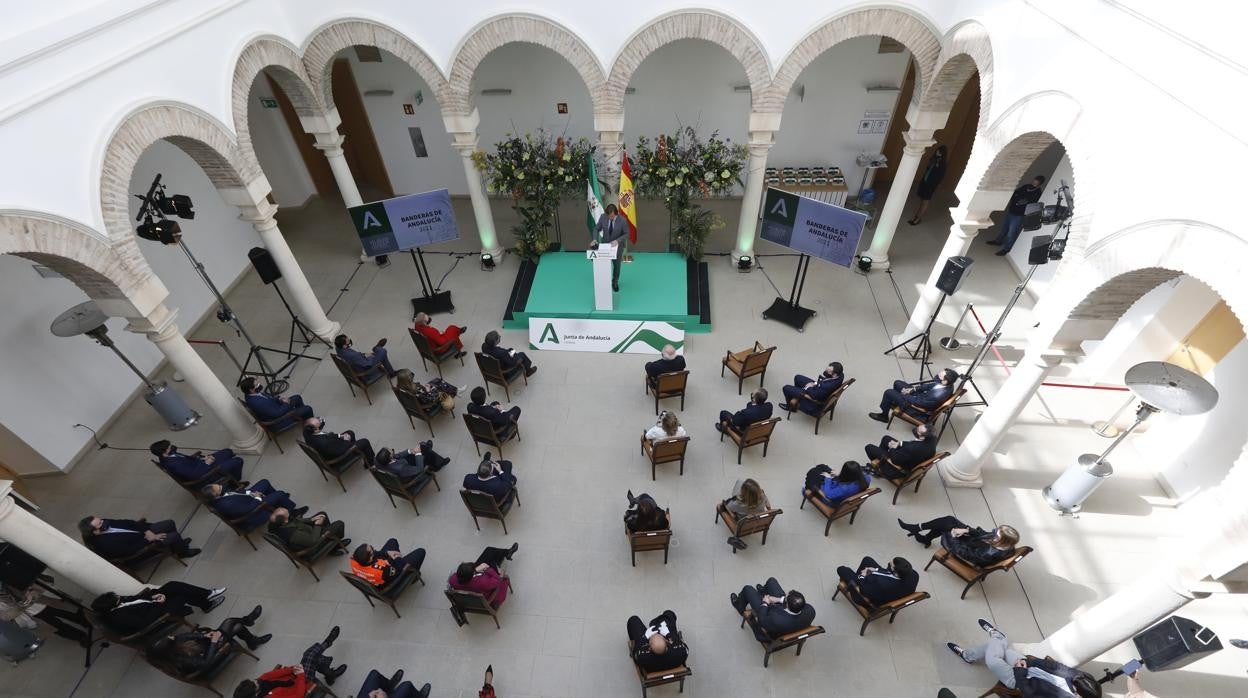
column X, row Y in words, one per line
column 627, row 206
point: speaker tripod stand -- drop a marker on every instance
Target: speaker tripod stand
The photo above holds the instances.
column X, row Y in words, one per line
column 923, row 352
column 297, row 327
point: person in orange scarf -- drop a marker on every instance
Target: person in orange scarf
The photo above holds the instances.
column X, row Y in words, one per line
column 440, row 341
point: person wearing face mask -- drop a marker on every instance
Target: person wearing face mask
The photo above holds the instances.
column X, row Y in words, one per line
column 331, row 446
column 188, row 469
column 892, row 458
column 874, row 585
column 926, row 394
column 367, row 365
column 970, row 544
column 809, row 394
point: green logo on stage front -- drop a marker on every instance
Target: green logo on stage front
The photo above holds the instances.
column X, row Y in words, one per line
column 549, row 331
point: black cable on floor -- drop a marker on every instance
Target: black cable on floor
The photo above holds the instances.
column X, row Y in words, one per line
column 345, row 287
column 758, row 265
column 458, row 258
column 102, row 445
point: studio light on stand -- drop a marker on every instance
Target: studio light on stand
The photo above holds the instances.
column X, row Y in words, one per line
column 87, row 318
column 1161, row 387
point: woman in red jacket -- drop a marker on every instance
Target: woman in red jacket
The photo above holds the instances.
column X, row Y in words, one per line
column 295, row 681
column 439, row 342
column 483, row 576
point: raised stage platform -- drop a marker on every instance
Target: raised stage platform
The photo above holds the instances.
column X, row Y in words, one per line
column 660, row 286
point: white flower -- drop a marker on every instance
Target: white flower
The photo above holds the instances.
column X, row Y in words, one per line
column 725, row 174
column 519, row 175
column 709, row 176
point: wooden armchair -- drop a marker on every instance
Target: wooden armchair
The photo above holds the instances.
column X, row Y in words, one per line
column 753, row 435
column 387, row 594
column 926, row 416
column 846, row 507
column 665, row 451
column 746, row 363
column 336, row 467
column 747, row 525
column 483, row 431
column 414, row 410
column 139, row 639
column 475, row 602
column 153, row 554
column 828, row 406
column 427, row 353
column 647, row 541
column 483, row 505
column 205, row 676
column 214, row 476
column 492, row 372
column 771, row 645
column 650, row 679
column 668, row 385
column 272, row 427
column 873, row 613
column 405, row 489
column 1003, row 691
column 359, row 380
column 309, row 556
column 915, row 475
column 239, row 524
column 971, row 574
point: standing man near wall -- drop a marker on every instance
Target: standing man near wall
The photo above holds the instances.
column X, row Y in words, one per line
column 1013, row 224
column 611, row 228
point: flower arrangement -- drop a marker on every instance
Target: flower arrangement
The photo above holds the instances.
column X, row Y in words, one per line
column 536, row 171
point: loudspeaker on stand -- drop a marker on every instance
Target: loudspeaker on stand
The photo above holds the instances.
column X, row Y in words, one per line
column 956, row 269
column 264, row 264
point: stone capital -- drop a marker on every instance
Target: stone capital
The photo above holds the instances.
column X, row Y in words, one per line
column 329, row 143
column 462, row 123
column 261, row 215
column 764, row 121
column 917, row 142
column 324, row 123
column 159, row 325
column 608, row 122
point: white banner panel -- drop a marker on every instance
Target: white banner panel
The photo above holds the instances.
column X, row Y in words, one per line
column 608, row 336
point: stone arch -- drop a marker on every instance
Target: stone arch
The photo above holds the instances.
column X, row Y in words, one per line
column 329, row 39
column 499, row 31
column 207, row 141
column 904, row 26
column 968, row 50
column 114, row 275
column 706, row 25
column 278, row 59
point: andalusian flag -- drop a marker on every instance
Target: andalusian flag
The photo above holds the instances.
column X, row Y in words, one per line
column 627, row 205
column 593, row 197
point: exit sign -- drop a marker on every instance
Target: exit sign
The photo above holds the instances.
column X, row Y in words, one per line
column 268, row 103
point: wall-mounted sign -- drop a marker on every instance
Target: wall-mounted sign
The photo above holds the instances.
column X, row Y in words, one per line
column 268, row 103
column 420, row 97
column 873, row 126
column 562, row 107
column 409, row 109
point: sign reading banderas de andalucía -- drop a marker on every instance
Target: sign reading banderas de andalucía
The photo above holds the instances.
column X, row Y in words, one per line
column 607, row 336
column 405, row 222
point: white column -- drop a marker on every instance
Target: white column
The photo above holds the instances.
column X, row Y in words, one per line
column 466, row 144
column 961, row 235
column 161, row 328
column 63, row 555
column 331, row 145
column 898, row 192
column 964, row 467
column 302, row 298
column 760, row 145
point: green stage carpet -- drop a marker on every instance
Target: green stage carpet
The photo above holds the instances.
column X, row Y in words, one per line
column 652, row 287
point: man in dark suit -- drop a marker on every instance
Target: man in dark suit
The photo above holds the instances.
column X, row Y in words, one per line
column 873, row 584
column 257, row 500
column 409, row 464
column 925, row 394
column 612, row 227
column 376, row 685
column 756, row 410
column 267, row 408
column 493, row 477
column 658, row 646
column 1033, row 676
column 809, row 394
column 893, row 458
column 303, row 532
column 507, row 358
column 188, row 469
column 502, row 420
column 668, row 362
column 117, row 539
column 367, row 365
column 331, row 446
column 775, row 612
column 126, row 615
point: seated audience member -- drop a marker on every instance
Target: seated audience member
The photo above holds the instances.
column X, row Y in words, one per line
column 1036, row 678
column 192, row 468
column 493, row 477
column 484, row 575
column 809, row 394
column 407, row 465
column 974, row 545
column 436, row 391
column 925, row 394
column 775, row 612
column 873, row 585
column 196, row 649
column 295, row 681
column 117, row 539
column 507, row 358
column 644, row 514
column 847, row 482
column 365, row 365
column 440, row 341
column 756, row 410
column 659, row 645
column 331, row 446
column 503, row 420
column 668, row 362
column 377, row 685
column 126, row 615
column 24, row 607
column 747, row 499
column 303, row 532
column 893, row 459
column 667, row 427
column 380, row 567
column 267, row 407
column 257, row 500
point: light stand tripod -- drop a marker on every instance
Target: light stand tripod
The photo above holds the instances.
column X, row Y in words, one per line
column 923, row 352
column 297, row 327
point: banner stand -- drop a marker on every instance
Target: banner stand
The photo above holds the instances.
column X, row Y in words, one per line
column 430, row 301
column 791, row 312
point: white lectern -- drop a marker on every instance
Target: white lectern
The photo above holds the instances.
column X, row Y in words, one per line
column 601, row 259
